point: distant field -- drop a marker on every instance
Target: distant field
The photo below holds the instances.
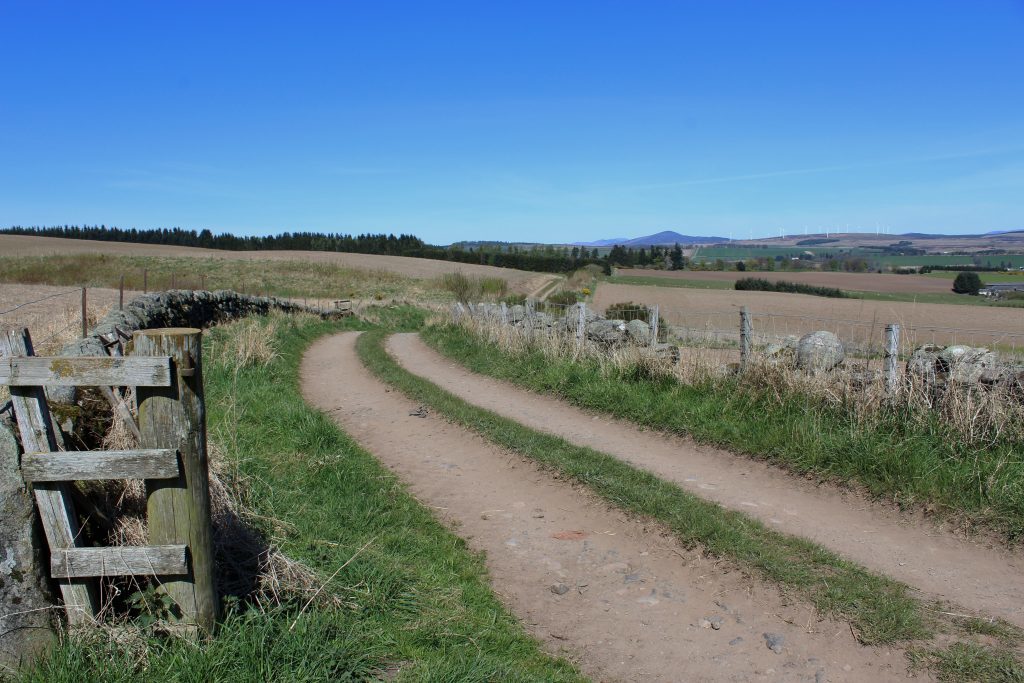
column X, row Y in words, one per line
column 23, row 245
column 864, row 282
column 852, row 319
column 985, row 277
column 709, row 254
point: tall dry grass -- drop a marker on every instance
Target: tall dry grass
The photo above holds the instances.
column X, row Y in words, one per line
column 980, row 416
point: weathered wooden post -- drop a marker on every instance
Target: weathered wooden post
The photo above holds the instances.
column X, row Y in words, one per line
column 892, row 353
column 504, row 313
column 581, row 325
column 85, row 319
column 53, row 499
column 652, row 320
column 26, row 605
column 179, row 509
column 145, row 281
column 744, row 337
column 120, row 295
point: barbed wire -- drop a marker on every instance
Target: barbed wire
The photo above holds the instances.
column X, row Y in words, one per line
column 73, row 323
column 49, row 296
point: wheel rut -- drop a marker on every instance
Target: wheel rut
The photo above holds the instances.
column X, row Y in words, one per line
column 615, row 595
column 981, row 577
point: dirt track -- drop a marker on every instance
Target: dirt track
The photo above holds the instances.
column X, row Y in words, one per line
column 989, row 580
column 619, row 598
column 24, row 245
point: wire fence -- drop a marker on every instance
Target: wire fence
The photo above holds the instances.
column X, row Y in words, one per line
column 722, row 329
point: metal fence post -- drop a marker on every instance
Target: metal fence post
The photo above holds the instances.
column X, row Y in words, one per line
column 892, row 352
column 744, row 337
column 179, row 509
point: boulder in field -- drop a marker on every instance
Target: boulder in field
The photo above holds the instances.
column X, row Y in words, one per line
column 965, row 364
column 820, row 350
column 606, row 331
column 638, row 331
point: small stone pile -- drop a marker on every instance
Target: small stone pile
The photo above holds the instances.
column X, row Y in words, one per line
column 938, row 366
column 597, row 328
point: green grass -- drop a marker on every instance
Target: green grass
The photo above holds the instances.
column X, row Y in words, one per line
column 417, row 599
column 880, row 609
column 289, row 278
column 910, row 462
column 987, row 278
column 970, row 662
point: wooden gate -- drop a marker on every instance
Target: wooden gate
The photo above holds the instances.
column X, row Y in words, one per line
column 165, row 368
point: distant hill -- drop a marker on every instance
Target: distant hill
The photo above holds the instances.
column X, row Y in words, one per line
column 666, row 237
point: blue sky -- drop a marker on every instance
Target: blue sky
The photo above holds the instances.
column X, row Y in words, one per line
column 538, row 121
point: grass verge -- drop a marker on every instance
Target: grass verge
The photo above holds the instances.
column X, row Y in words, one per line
column 416, row 605
column 879, row 609
column 914, row 463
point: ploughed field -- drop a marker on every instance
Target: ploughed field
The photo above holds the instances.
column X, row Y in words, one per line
column 780, row 314
column 886, row 283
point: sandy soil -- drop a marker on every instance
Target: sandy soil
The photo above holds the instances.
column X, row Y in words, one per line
column 852, row 319
column 864, row 282
column 986, row 579
column 616, row 596
column 24, row 245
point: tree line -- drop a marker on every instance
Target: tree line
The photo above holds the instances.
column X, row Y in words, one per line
column 541, row 258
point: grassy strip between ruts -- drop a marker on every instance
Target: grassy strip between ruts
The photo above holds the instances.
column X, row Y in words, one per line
column 417, row 604
column 879, row 609
column 913, row 462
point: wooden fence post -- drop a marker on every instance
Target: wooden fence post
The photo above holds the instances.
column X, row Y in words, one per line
column 145, row 281
column 581, row 325
column 892, row 353
column 744, row 337
column 179, row 509
column 504, row 313
column 653, row 322
column 53, row 499
column 85, row 320
column 120, row 295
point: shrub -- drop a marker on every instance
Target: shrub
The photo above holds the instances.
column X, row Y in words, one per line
column 967, row 282
column 757, row 284
column 564, row 298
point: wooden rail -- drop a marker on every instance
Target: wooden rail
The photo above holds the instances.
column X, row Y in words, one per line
column 166, row 372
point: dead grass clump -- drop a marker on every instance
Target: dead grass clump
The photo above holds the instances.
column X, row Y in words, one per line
column 251, row 343
column 466, row 288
